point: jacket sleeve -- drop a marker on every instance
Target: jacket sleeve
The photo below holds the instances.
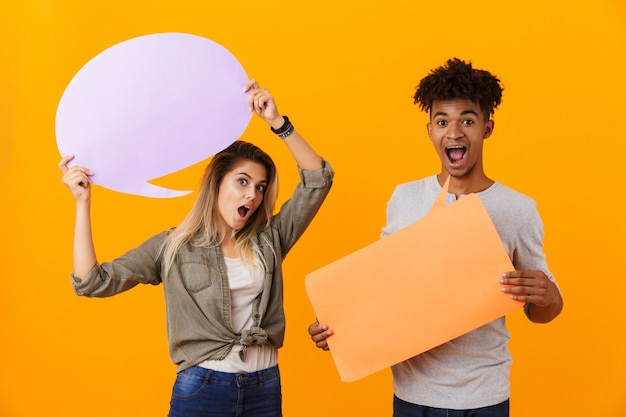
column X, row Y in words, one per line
column 141, row 265
column 296, row 214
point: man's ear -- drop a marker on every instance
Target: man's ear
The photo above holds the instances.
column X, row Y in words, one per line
column 428, row 128
column 489, row 126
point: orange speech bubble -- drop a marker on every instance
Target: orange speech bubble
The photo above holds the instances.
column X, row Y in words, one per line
column 422, row 286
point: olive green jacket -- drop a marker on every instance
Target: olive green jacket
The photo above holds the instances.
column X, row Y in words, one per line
column 197, row 294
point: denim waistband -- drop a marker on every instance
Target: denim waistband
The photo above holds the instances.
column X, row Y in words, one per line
column 238, row 378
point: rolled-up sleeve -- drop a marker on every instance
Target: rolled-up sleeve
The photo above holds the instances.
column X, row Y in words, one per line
column 297, row 213
column 138, row 266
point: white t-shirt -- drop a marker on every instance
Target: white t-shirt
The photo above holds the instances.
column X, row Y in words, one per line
column 245, row 285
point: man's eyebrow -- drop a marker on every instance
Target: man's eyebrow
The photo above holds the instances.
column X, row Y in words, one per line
column 463, row 113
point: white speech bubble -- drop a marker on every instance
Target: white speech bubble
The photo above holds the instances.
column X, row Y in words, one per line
column 150, row 106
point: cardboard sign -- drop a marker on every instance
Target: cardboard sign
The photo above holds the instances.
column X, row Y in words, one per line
column 411, row 291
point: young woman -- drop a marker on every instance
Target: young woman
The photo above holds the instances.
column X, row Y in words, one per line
column 220, row 269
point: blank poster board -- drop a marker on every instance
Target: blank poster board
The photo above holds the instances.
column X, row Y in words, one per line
column 422, row 286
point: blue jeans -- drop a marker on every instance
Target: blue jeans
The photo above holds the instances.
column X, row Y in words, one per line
column 200, row 392
column 405, row 409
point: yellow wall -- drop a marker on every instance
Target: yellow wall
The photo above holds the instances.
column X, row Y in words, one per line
column 345, row 72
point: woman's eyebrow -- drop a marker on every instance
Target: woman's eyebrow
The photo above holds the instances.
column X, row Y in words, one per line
column 250, row 177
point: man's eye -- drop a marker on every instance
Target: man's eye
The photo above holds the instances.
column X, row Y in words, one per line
column 468, row 122
column 441, row 122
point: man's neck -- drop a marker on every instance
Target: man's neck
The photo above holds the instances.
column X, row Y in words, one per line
column 465, row 185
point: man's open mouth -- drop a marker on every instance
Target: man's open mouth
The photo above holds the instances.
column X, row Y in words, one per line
column 456, row 153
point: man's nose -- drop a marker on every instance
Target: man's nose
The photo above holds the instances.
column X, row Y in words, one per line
column 454, row 130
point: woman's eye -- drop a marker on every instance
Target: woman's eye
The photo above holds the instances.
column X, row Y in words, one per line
column 242, row 181
column 260, row 188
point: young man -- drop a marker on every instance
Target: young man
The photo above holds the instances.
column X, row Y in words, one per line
column 469, row 375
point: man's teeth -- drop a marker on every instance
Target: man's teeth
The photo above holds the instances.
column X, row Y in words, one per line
column 455, row 153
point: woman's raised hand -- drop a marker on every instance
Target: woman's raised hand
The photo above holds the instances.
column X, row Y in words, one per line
column 261, row 101
column 76, row 179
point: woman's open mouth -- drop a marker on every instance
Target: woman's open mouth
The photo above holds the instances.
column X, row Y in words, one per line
column 243, row 211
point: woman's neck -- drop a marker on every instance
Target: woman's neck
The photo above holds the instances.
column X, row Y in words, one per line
column 228, row 247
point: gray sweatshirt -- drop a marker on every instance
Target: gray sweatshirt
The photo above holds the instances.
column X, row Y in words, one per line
column 471, row 371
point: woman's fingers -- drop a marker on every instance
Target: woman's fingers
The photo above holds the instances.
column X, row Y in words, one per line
column 63, row 163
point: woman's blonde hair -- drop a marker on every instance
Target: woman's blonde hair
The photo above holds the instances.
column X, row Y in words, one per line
column 203, row 225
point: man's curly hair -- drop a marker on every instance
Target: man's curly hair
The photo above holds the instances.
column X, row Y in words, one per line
column 457, row 79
